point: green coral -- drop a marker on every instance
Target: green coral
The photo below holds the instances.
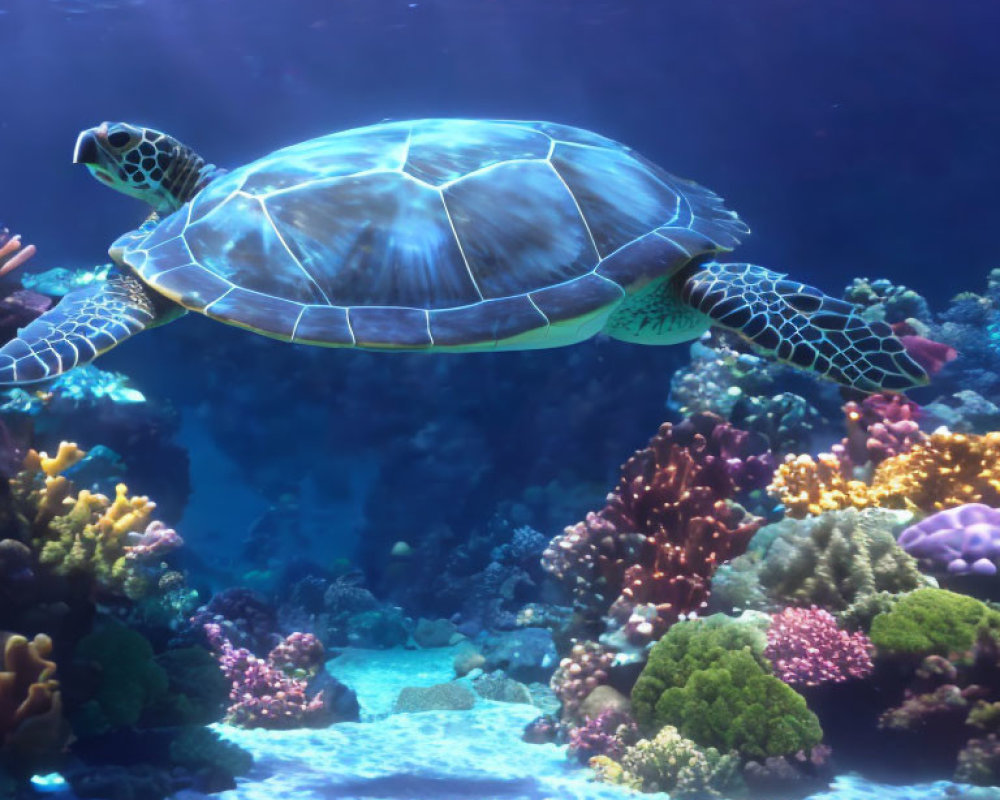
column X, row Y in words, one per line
column 671, row 763
column 932, row 622
column 197, row 693
column 833, row 559
column 686, row 648
column 710, row 680
column 130, row 680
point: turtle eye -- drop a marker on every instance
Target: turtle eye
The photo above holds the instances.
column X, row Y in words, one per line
column 119, row 139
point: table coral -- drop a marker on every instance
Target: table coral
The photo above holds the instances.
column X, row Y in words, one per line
column 665, row 529
column 806, row 648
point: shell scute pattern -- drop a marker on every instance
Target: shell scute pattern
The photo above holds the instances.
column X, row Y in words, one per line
column 431, row 233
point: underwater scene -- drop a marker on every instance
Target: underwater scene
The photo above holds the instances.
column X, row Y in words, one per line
column 395, row 403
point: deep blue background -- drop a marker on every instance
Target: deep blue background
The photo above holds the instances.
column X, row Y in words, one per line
column 856, row 138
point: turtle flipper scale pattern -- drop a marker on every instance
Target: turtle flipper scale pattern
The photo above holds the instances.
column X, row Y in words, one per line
column 801, row 326
column 84, row 324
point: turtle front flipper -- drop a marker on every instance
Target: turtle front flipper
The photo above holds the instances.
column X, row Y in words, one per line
column 84, row 324
column 801, row 326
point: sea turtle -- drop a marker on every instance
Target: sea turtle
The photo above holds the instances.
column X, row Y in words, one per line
column 439, row 234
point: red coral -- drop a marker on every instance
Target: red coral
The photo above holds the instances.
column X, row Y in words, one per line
column 806, row 648
column 666, row 527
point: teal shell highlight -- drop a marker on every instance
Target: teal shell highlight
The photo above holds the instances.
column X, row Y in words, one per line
column 432, row 234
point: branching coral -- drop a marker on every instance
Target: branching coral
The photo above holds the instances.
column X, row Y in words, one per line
column 113, row 540
column 665, row 529
column 264, row 695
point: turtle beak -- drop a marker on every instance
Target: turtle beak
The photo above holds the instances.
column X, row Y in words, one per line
column 86, row 150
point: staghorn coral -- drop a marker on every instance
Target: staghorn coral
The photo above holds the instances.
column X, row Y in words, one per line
column 806, row 648
column 947, row 470
column 670, row 763
column 665, row 529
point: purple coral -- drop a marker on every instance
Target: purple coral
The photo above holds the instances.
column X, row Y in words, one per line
column 958, row 540
column 806, row 648
column 153, row 543
column 607, row 734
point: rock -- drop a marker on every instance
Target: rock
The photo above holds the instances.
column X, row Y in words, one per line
column 440, row 697
column 497, row 686
column 466, row 660
column 340, row 701
column 604, row 698
column 435, row 632
column 527, row 655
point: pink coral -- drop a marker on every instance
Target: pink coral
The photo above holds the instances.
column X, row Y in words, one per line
column 607, row 734
column 153, row 543
column 263, row 695
column 879, row 427
column 806, row 648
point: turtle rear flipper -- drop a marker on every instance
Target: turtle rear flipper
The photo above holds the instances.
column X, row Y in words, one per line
column 84, row 324
column 801, row 326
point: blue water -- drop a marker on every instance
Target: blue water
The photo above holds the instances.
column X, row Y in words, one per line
column 856, row 140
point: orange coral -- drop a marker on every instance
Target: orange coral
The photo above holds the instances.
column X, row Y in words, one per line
column 28, row 689
column 946, row 471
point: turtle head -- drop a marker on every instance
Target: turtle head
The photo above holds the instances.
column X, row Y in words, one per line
column 143, row 163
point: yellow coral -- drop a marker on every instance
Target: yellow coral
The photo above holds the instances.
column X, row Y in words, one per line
column 808, row 486
column 946, row 471
column 68, row 455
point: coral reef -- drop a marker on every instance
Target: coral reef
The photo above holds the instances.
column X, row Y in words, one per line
column 960, row 540
column 806, row 648
column 608, row 734
column 30, row 698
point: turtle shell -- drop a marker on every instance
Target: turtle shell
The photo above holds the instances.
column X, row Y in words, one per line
column 452, row 234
